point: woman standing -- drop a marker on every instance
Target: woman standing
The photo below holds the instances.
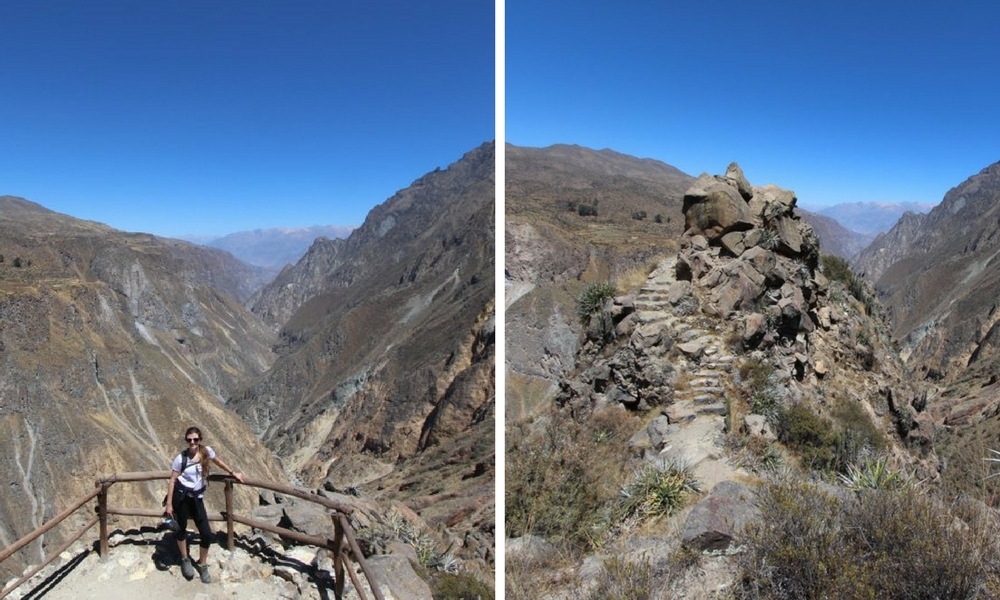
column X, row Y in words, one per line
column 186, row 498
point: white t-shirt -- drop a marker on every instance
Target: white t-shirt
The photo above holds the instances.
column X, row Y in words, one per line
column 191, row 476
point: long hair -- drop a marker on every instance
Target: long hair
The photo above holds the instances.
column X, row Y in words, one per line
column 202, row 451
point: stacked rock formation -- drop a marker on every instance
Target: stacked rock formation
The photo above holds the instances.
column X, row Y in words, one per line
column 746, row 247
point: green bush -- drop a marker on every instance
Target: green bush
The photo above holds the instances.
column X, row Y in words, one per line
column 836, row 269
column 763, row 395
column 872, row 474
column 899, row 543
column 811, row 436
column 593, row 298
column 586, row 210
column 829, row 444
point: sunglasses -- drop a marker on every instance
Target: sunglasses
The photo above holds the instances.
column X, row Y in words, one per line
column 193, row 440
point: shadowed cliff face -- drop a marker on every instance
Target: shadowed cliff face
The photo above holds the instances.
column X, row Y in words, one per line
column 386, row 350
column 111, row 344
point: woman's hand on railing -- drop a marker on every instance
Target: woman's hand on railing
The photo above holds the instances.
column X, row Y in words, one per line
column 238, row 476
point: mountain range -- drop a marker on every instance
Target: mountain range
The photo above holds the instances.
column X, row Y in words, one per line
column 276, row 247
column 872, row 218
column 365, row 369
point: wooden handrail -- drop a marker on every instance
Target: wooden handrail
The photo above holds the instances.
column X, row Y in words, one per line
column 24, row 541
column 342, row 528
column 31, row 572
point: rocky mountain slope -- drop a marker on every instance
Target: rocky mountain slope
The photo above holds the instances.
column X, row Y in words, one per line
column 111, row 344
column 937, row 275
column 553, row 249
column 384, row 376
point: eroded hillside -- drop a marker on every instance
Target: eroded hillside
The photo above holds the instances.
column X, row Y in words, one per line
column 384, row 379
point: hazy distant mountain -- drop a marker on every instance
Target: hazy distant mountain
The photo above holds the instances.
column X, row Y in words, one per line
column 277, row 246
column 872, row 217
column 834, row 238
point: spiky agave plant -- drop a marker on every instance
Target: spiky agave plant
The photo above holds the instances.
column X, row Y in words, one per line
column 872, row 474
column 656, row 490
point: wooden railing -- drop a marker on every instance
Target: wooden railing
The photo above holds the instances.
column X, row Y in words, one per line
column 338, row 513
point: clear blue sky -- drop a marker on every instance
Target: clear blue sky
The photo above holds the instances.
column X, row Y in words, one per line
column 209, row 117
column 838, row 101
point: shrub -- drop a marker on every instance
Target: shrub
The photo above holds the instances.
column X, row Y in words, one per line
column 758, row 379
column 392, row 527
column 586, row 210
column 808, row 434
column 658, row 218
column 836, row 269
column 899, row 543
column 560, row 478
column 592, row 299
column 639, row 215
column 829, row 444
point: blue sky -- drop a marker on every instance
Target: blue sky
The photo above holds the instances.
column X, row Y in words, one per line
column 192, row 117
column 839, row 101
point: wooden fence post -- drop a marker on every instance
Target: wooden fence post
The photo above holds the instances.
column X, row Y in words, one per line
column 102, row 513
column 338, row 557
column 230, row 539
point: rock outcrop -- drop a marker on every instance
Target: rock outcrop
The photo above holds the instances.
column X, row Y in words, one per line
column 746, row 286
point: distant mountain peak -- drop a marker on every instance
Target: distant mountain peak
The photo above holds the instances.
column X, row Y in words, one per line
column 872, row 217
column 276, row 247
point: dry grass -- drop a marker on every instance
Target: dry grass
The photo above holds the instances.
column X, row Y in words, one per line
column 899, row 543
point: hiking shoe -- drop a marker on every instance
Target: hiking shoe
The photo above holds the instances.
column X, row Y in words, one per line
column 187, row 570
column 203, row 571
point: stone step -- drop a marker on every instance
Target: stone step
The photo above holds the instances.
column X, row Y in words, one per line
column 650, row 317
column 719, row 408
column 703, row 399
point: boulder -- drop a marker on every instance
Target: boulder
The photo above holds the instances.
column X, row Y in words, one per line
column 734, row 177
column 770, row 202
column 716, row 521
column 396, row 579
column 758, row 426
column 713, row 209
column 789, row 237
column 733, row 243
column 529, row 548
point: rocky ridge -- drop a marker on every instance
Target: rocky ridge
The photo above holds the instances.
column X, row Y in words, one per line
column 746, row 288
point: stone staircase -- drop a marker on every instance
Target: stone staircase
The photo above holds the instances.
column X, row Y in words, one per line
column 696, row 417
